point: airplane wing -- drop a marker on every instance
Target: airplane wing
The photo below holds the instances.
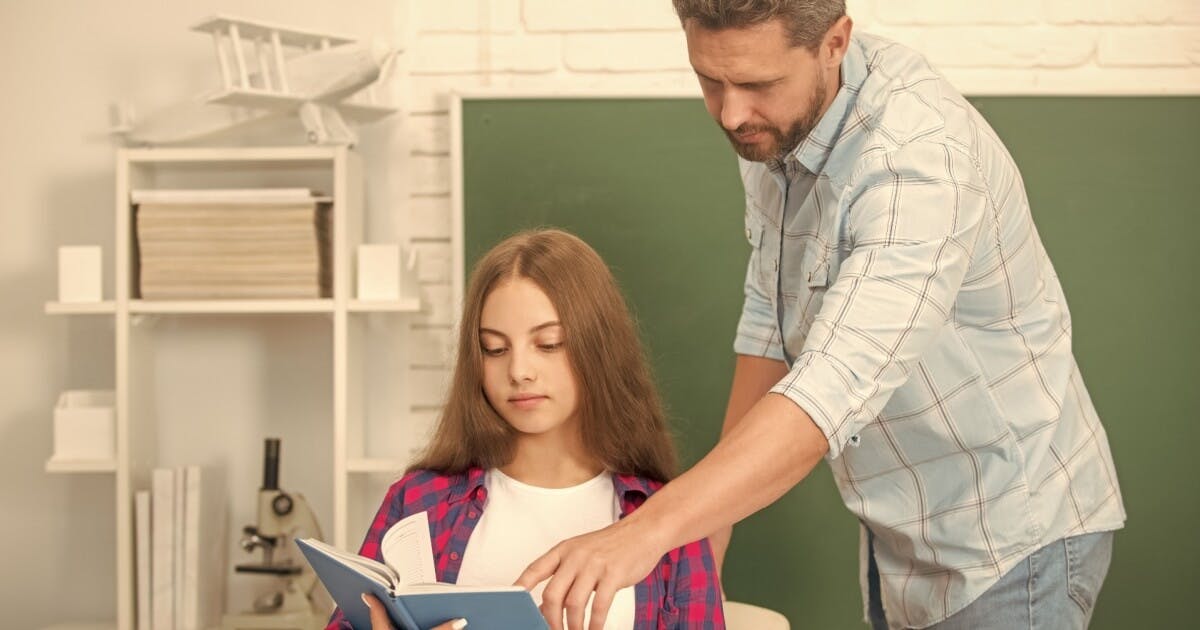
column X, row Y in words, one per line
column 254, row 29
column 262, row 99
column 192, row 120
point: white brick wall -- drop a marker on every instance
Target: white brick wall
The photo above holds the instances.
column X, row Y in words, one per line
column 467, row 16
column 625, row 52
column 1149, row 46
column 1128, row 12
column 1021, row 47
column 613, row 16
column 941, row 12
column 563, row 46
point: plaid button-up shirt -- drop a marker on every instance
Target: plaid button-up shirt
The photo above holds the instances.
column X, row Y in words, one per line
column 682, row 592
column 896, row 269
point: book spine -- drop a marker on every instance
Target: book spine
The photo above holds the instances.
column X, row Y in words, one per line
column 189, row 609
column 142, row 535
column 162, row 571
column 177, row 550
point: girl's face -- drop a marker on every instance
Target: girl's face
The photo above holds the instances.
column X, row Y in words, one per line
column 526, row 375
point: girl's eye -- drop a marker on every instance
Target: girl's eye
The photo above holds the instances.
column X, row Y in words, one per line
column 550, row 347
column 494, row 352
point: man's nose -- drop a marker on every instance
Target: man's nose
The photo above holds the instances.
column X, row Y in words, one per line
column 735, row 110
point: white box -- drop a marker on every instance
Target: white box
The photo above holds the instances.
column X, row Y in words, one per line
column 85, row 425
column 79, row 273
column 378, row 272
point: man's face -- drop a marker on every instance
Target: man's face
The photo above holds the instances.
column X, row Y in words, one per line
column 766, row 94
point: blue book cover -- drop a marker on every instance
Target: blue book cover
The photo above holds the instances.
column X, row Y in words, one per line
column 416, row 606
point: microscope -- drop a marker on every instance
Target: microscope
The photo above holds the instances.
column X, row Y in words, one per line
column 282, row 517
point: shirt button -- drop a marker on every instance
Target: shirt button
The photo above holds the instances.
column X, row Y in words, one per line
column 454, row 555
column 472, row 514
column 748, row 235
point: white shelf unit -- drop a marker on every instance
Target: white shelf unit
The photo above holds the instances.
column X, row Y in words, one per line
column 336, row 170
column 107, row 307
column 55, row 465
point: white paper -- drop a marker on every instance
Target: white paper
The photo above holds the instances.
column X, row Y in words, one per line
column 408, row 549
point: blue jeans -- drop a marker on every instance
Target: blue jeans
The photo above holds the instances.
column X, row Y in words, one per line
column 1053, row 588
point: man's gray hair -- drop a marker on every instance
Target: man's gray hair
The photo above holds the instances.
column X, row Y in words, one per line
column 807, row 21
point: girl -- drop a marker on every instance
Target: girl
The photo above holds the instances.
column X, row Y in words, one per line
column 552, row 429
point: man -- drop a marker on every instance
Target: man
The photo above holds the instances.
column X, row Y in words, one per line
column 902, row 321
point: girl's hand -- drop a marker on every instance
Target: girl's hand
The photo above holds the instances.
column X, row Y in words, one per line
column 379, row 618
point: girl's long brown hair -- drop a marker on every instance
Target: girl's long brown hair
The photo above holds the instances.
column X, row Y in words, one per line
column 622, row 419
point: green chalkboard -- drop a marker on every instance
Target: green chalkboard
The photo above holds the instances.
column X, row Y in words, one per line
column 652, row 184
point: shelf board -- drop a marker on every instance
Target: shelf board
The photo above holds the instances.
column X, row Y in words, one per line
column 81, row 465
column 374, row 465
column 323, row 305
column 107, row 307
column 410, row 305
column 226, row 155
column 79, row 625
column 184, row 307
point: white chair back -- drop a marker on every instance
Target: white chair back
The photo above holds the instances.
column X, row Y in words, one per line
column 740, row 616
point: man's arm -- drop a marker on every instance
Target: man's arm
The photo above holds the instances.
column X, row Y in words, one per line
column 916, row 216
column 753, row 377
column 770, row 450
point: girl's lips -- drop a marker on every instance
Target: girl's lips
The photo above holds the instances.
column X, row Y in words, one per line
column 526, row 402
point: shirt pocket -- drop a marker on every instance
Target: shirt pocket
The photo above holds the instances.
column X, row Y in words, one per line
column 1088, row 559
column 754, row 236
column 815, row 280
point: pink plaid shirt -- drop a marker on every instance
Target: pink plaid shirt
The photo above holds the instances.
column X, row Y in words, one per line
column 681, row 592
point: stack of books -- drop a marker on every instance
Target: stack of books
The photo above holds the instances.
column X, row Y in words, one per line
column 180, row 529
column 233, row 244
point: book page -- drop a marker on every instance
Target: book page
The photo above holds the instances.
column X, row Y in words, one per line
column 408, row 549
column 417, row 589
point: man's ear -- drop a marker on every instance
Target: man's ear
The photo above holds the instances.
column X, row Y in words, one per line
column 835, row 42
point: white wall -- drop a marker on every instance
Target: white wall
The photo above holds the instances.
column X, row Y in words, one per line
column 62, row 63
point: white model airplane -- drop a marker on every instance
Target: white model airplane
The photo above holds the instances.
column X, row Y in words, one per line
column 320, row 78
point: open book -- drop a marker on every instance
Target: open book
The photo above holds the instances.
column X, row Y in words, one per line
column 406, row 583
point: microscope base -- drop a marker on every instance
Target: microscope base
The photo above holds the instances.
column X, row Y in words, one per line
column 299, row 620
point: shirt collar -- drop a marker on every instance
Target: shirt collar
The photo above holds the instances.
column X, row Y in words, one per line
column 631, row 489
column 466, row 485
column 814, row 151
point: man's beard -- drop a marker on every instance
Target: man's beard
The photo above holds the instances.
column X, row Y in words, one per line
column 782, row 143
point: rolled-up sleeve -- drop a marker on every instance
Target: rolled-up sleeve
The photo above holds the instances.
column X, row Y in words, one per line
column 757, row 330
column 914, row 215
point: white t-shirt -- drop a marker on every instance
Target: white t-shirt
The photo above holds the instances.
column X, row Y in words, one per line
column 521, row 522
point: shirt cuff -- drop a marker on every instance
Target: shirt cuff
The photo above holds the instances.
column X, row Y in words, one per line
column 757, row 337
column 824, row 389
